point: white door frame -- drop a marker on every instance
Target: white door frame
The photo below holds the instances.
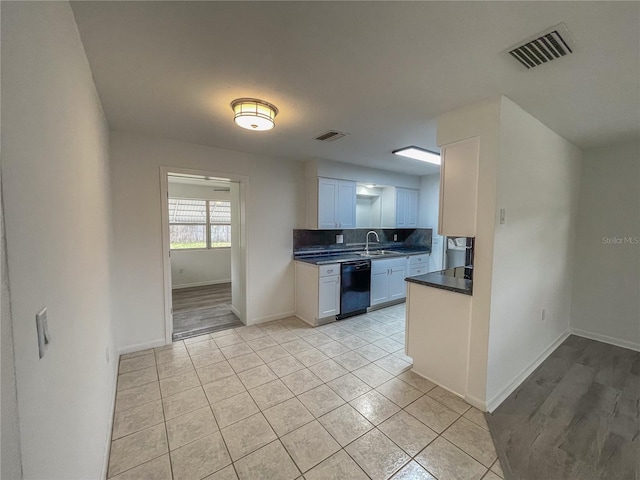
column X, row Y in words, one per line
column 243, row 180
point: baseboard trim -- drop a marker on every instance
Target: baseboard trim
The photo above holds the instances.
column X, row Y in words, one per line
column 426, row 377
column 305, row 320
column 236, row 312
column 501, row 396
column 200, row 284
column 269, row 318
column 476, row 402
column 142, row 346
column 606, row 339
column 112, row 411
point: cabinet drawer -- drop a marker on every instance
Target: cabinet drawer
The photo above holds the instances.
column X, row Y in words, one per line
column 417, row 270
column 415, row 260
column 327, row 270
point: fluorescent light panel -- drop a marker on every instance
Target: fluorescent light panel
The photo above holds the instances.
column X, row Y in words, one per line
column 418, row 153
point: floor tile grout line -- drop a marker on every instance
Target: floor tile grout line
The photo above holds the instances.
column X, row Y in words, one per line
column 164, row 417
column 329, row 357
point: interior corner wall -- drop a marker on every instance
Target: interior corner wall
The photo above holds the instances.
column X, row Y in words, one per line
column 606, row 289
column 479, row 120
column 55, row 183
column 11, row 464
column 538, row 186
column 274, row 207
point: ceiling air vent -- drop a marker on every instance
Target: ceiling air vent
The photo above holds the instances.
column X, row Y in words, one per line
column 331, row 136
column 553, row 43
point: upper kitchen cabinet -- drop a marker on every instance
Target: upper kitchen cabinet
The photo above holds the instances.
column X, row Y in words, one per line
column 399, row 207
column 459, row 188
column 406, row 208
column 331, row 203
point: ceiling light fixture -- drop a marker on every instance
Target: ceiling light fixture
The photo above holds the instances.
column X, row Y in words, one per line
column 371, row 185
column 254, row 114
column 418, row 153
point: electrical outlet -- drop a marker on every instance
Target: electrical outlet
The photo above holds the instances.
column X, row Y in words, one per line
column 339, row 238
column 503, row 216
column 395, row 237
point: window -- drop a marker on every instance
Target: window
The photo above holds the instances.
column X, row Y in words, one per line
column 199, row 223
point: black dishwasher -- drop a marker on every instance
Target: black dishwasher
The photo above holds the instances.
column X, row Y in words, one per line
column 355, row 288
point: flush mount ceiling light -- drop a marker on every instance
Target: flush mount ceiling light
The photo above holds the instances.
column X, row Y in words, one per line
column 418, row 153
column 254, row 114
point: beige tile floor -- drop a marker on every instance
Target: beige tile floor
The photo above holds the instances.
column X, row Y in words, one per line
column 286, row 401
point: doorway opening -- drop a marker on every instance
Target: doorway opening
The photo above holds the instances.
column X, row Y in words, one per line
column 203, row 239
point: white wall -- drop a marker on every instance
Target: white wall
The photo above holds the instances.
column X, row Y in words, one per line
column 481, row 119
column 606, row 289
column 200, row 267
column 10, row 461
column 357, row 173
column 275, row 206
column 538, row 185
column 428, row 210
column 190, row 268
column 55, row 183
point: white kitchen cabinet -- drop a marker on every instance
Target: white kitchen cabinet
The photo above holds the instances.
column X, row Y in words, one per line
column 399, row 207
column 317, row 292
column 331, row 203
column 379, row 284
column 417, row 264
column 459, row 188
column 397, row 285
column 406, row 208
column 329, row 296
column 387, row 280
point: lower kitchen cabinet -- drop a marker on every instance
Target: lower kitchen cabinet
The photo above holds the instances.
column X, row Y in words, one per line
column 317, row 292
column 417, row 265
column 387, row 280
column 329, row 296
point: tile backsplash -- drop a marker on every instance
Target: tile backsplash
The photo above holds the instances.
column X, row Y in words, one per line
column 326, row 239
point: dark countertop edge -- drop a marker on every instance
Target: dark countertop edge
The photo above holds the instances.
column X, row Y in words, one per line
column 348, row 256
column 443, row 282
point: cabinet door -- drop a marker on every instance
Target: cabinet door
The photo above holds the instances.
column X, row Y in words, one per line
column 458, row 188
column 329, row 296
column 327, row 203
column 401, row 207
column 379, row 285
column 397, row 285
column 412, row 208
column 346, row 204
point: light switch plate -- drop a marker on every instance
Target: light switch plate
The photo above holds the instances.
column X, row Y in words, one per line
column 42, row 328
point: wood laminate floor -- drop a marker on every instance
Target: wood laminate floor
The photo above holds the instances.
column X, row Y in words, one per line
column 575, row 417
column 200, row 310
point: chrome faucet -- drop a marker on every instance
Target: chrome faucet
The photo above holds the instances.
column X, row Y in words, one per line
column 366, row 249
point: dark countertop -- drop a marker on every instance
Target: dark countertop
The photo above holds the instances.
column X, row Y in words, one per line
column 451, row 279
column 324, row 259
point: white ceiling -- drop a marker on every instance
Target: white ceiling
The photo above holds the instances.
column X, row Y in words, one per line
column 381, row 71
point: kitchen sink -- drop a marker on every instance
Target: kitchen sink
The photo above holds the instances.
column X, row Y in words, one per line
column 378, row 253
